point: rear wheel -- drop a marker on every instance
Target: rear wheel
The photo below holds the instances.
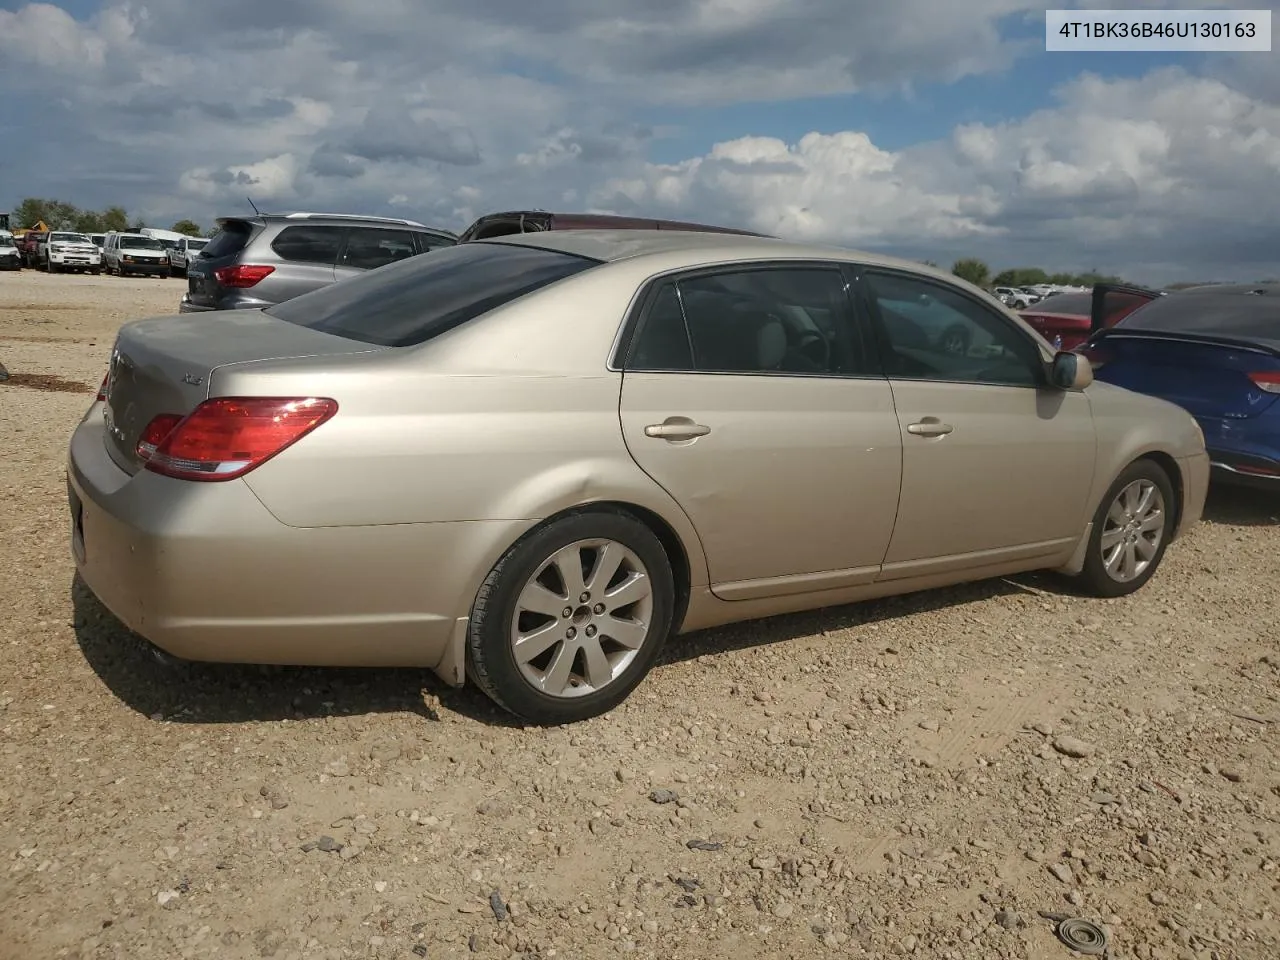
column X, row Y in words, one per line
column 570, row 620
column 1131, row 530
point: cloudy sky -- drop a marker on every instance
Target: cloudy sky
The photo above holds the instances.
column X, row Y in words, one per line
column 931, row 128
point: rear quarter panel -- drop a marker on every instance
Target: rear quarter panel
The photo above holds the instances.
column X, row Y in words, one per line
column 511, row 417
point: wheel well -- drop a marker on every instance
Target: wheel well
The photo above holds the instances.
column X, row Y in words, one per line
column 1170, row 467
column 671, row 545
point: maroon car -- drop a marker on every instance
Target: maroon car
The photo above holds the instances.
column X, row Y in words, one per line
column 1066, row 319
column 535, row 221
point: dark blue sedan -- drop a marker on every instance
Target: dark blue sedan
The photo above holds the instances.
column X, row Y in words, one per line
column 1215, row 351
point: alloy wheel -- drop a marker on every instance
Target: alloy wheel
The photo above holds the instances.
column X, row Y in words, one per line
column 1132, row 531
column 582, row 618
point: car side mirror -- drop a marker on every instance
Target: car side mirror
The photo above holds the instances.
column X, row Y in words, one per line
column 1070, row 371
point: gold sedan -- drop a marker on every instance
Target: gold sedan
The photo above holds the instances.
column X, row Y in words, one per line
column 530, row 460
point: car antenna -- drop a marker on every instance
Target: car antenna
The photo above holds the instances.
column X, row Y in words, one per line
column 254, row 205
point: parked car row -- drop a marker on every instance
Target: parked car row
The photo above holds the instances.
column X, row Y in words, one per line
column 253, row 262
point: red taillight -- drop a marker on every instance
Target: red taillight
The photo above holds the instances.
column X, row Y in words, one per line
column 102, row 390
column 155, row 431
column 226, row 437
column 242, row 274
column 1268, row 380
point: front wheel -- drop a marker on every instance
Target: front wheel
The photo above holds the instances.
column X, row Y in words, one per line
column 1131, row 530
column 570, row 620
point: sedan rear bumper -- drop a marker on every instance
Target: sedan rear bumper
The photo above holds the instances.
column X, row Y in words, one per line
column 205, row 572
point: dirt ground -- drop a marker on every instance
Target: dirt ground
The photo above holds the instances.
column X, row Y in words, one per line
column 919, row 777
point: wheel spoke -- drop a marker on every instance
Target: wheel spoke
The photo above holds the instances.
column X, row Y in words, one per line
column 1129, row 568
column 627, row 633
column 1131, row 498
column 608, row 559
column 634, row 588
column 1116, row 513
column 569, row 564
column 1153, row 523
column 557, row 676
column 533, row 644
column 599, row 671
column 1146, row 500
column 1111, row 537
column 538, row 599
column 1112, row 560
column 1147, row 548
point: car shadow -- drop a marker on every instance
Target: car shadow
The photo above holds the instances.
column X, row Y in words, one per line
column 1241, row 506
column 179, row 691
column 176, row 691
column 759, row 633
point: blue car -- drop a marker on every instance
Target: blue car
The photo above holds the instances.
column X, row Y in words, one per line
column 1215, row 351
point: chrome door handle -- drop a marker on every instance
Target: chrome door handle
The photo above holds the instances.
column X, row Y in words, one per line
column 929, row 427
column 676, row 428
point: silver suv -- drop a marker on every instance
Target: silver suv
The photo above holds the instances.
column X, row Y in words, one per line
column 253, row 262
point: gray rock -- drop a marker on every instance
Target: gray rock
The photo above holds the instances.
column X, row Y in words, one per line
column 327, row 844
column 1074, row 747
column 1009, row 919
column 1062, row 872
column 663, row 795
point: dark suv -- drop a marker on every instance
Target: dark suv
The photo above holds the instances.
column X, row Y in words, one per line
column 531, row 221
column 254, row 262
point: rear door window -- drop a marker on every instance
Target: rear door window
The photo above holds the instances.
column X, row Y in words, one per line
column 310, row 244
column 416, row 299
column 371, row 247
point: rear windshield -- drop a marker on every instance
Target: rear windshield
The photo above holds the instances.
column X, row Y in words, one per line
column 1247, row 315
column 230, row 239
column 195, row 244
column 416, row 299
column 1078, row 304
column 140, row 243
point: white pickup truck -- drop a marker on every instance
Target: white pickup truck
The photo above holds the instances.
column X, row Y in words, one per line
column 183, row 252
column 62, row 252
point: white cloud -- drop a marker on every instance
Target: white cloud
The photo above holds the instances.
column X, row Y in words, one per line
column 1162, row 170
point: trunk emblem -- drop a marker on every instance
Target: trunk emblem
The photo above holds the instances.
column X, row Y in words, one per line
column 192, row 379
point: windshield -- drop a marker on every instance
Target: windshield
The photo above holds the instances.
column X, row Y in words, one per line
column 413, row 300
column 68, row 238
column 140, row 243
column 196, row 244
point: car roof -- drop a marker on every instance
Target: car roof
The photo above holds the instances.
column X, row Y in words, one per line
column 330, row 219
column 614, row 245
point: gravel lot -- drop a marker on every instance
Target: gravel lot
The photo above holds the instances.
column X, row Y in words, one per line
column 917, row 777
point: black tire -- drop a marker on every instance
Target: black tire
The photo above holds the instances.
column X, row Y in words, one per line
column 491, row 661
column 96, row 271
column 1094, row 577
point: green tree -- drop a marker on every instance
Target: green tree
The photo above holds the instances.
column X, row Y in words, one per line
column 114, row 218
column 56, row 213
column 973, row 270
column 1019, row 277
column 89, row 221
column 189, row 227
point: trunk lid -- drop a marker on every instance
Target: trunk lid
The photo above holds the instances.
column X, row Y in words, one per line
column 1206, row 376
column 163, row 365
